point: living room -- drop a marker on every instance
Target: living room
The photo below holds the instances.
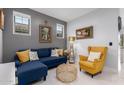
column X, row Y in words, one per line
column 60, row 42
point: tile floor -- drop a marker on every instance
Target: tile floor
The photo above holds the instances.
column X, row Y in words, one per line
column 107, row 77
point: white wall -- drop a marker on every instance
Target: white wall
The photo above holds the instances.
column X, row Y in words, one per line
column 122, row 15
column 1, row 44
column 105, row 26
column 121, row 12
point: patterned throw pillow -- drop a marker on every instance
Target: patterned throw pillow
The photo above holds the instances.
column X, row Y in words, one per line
column 93, row 56
column 33, row 55
column 54, row 53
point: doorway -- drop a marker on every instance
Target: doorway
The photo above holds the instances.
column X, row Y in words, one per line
column 121, row 48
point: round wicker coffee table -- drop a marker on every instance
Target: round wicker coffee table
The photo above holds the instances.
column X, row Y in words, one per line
column 66, row 72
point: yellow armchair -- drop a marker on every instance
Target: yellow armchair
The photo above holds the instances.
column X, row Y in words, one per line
column 98, row 64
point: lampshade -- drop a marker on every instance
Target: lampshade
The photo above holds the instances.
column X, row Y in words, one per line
column 72, row 38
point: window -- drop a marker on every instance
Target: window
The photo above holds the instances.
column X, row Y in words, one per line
column 21, row 24
column 60, row 31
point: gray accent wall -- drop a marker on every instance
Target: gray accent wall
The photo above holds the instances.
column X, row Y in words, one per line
column 12, row 43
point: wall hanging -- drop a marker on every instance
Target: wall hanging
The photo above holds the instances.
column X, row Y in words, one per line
column 84, row 33
column 45, row 33
column 21, row 24
column 60, row 31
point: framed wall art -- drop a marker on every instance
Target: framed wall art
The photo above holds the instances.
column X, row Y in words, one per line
column 84, row 33
column 44, row 34
column 21, row 24
column 60, row 31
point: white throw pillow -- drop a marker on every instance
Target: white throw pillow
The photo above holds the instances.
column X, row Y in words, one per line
column 93, row 56
column 33, row 55
column 54, row 52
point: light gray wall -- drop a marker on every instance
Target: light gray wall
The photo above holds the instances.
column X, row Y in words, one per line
column 105, row 25
column 12, row 43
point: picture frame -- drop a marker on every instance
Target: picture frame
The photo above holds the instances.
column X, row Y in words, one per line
column 21, row 24
column 60, row 31
column 84, row 33
column 45, row 34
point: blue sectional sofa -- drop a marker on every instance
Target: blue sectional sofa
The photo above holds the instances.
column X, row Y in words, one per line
column 36, row 70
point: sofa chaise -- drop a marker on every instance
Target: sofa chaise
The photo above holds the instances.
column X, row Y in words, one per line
column 36, row 70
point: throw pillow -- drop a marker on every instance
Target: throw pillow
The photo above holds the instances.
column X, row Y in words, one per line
column 93, row 56
column 60, row 52
column 23, row 56
column 54, row 53
column 33, row 55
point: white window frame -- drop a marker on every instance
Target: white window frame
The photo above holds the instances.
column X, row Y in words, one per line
column 15, row 13
column 63, row 30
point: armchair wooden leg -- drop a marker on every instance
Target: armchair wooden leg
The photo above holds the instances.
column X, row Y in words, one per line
column 100, row 72
column 92, row 76
column 80, row 69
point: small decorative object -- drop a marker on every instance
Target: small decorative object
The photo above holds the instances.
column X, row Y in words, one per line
column 72, row 57
column 21, row 24
column 45, row 34
column 84, row 33
column 119, row 23
column 60, row 31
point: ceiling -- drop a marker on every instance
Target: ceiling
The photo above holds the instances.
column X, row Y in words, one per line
column 65, row 14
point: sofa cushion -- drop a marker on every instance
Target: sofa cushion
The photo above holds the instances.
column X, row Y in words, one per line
column 30, row 67
column 53, row 61
column 43, row 52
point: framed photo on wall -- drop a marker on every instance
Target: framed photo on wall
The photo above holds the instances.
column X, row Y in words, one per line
column 45, row 34
column 21, row 24
column 60, row 31
column 84, row 33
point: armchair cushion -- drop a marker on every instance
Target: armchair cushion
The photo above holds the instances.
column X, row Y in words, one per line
column 87, row 64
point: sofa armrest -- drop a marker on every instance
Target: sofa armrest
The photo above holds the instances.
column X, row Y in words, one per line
column 83, row 58
column 17, row 63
